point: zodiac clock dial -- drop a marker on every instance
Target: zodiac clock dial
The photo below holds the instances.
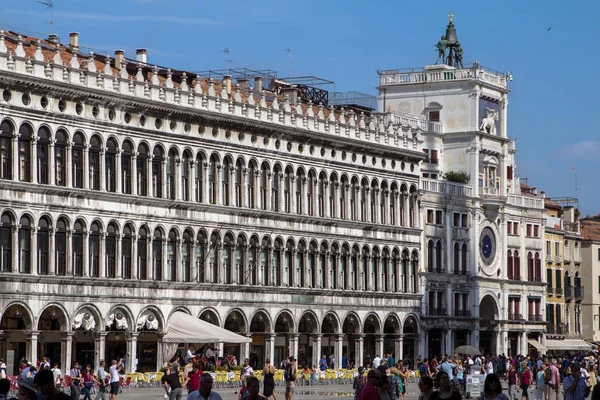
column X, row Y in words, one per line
column 487, row 246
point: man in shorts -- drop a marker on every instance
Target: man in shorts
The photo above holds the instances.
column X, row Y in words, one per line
column 290, row 383
column 114, row 378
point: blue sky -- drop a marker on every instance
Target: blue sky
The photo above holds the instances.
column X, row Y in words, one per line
column 555, row 84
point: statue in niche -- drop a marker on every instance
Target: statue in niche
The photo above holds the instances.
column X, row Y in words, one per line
column 488, row 123
column 441, row 48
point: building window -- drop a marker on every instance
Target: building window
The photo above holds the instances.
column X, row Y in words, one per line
column 43, row 245
column 434, row 156
column 157, row 257
column 536, row 231
column 60, row 244
column 142, row 170
column 515, row 228
column 142, row 253
column 434, row 116
column 456, row 219
column 529, row 230
column 94, row 154
column 157, row 172
column 549, row 277
column 78, row 232
column 25, row 136
column 548, row 248
column 6, row 249
column 111, row 165
column 6, row 134
column 127, row 247
column 439, row 219
column 43, row 154
column 430, row 215
column 94, row 250
column 126, row 166
column 171, row 174
column 60, row 158
column 556, row 248
column 77, row 160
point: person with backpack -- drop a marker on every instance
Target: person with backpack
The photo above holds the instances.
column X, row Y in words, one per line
column 289, row 374
column 541, row 382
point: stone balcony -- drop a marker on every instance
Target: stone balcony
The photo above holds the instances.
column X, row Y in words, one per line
column 411, row 121
column 451, row 188
column 525, row 201
column 442, row 73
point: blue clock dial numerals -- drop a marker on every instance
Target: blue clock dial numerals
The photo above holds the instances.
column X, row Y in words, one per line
column 487, row 246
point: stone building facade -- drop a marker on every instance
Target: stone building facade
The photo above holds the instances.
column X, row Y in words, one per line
column 130, row 191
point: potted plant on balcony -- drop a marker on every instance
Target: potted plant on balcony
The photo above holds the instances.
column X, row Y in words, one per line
column 457, row 176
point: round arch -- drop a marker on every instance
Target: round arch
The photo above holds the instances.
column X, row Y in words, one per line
column 211, row 316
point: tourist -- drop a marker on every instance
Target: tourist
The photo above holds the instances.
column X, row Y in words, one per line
column 190, row 355
column 289, row 374
column 384, row 389
column 425, row 387
column 540, row 382
column 56, row 372
column 103, row 382
column 492, row 388
column 370, row 391
column 27, row 390
column 526, row 378
column 323, row 363
column 75, row 374
column 513, row 382
column 192, row 379
column 394, row 388
column 189, row 366
column 114, row 378
column 253, row 389
column 2, row 369
column 44, row 382
column 205, row 392
column 88, row 382
column 574, row 386
column 172, row 384
column 359, row 382
column 246, row 370
column 489, row 366
column 4, row 388
column 376, row 361
column 444, row 391
column 268, row 380
column 344, row 361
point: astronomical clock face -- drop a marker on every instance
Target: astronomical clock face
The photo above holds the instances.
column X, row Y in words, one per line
column 487, row 246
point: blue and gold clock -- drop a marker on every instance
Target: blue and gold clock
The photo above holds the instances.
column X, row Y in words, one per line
column 487, row 246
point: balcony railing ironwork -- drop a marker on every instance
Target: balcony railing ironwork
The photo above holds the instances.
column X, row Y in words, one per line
column 436, row 312
column 579, row 294
column 558, row 291
column 515, row 317
column 535, row 318
column 436, row 270
column 513, row 277
column 568, row 292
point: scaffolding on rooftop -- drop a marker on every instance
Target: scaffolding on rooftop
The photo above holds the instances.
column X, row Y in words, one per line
column 352, row 98
column 239, row 74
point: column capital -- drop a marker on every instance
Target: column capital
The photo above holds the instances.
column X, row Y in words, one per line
column 317, row 336
column 295, row 335
column 32, row 334
column 270, row 336
column 132, row 335
column 68, row 335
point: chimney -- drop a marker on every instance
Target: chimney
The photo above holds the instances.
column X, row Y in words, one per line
column 258, row 84
column 53, row 38
column 243, row 83
column 119, row 56
column 543, row 194
column 292, row 93
column 227, row 83
column 74, row 41
column 141, row 55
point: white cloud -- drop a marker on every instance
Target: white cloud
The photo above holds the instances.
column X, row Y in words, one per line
column 583, row 149
column 118, row 18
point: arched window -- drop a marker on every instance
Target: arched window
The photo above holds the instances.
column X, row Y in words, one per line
column 538, row 268
column 142, row 170
column 414, row 268
column 239, row 190
column 78, row 233
column 517, row 266
column 77, row 160
column 288, row 273
column 25, row 136
column 94, row 155
column 142, row 254
column 157, row 258
column 43, row 155
column 157, row 172
column 214, row 254
column 111, row 250
column 186, row 255
column 364, row 268
column 364, row 190
column 298, row 191
column 227, row 250
column 43, row 245
column 60, row 158
column 6, row 228
column 276, row 261
column 344, row 197
column 172, row 255
column 94, row 249
column 25, row 245
column 6, row 134
column 510, row 269
column 226, row 182
column 264, row 186
column 438, row 257
column 353, row 200
column 241, row 275
column 300, row 254
column 387, row 275
column 456, row 258
column 212, row 179
column 276, row 189
column 251, row 177
column 126, row 166
column 253, row 263
column 530, row 268
column 405, row 270
column 60, row 245
column 171, row 173
column 199, row 179
column 111, row 165
column 200, row 258
column 127, row 252
column 430, row 257
column 354, row 269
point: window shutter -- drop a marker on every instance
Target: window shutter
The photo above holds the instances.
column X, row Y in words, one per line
column 509, row 172
column 434, row 156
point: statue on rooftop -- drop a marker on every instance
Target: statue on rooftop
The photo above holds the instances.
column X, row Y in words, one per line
column 458, row 56
column 441, row 48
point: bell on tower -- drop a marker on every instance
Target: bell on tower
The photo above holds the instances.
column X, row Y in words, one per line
column 450, row 43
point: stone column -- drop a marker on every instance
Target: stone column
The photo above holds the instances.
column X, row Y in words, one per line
column 163, row 166
column 339, row 350
column 132, row 339
column 203, row 169
column 134, row 257
column 270, row 347
column 179, row 260
column 326, row 205
column 102, row 169
column 149, row 191
column 33, row 152
column 15, row 152
column 219, row 179
column 326, row 273
column 448, row 349
column 399, row 347
column 51, row 253
column 292, row 181
column 359, row 349
column 305, row 196
column 498, row 337
column 102, row 255
column 190, row 180
column 118, row 173
column 295, row 337
column 379, row 345
column 119, row 257
column 34, row 250
column 66, row 350
column 316, row 348
column 68, row 253
column 245, row 348
column 159, row 351
column 32, row 346
column 133, row 179
column 15, row 262
column 165, row 264
column 99, row 348
column 178, row 188
column 524, row 343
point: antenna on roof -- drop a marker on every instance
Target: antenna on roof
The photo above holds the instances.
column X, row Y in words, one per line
column 50, row 5
column 574, row 169
column 228, row 60
column 289, row 51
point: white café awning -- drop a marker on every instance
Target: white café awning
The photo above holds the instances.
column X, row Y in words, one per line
column 537, row 345
column 567, row 344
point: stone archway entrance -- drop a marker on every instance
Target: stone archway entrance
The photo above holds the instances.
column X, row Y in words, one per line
column 16, row 336
column 51, row 324
column 351, row 329
column 260, row 348
column 488, row 317
column 235, row 322
column 410, row 343
column 373, row 342
column 285, row 339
